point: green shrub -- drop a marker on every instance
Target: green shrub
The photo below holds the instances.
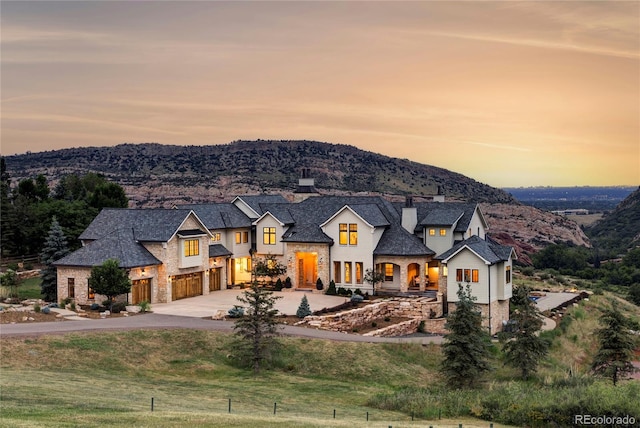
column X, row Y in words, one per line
column 144, row 306
column 279, row 285
column 528, row 271
column 236, row 312
column 118, row 307
column 358, row 292
column 287, row 282
column 319, row 284
column 37, row 308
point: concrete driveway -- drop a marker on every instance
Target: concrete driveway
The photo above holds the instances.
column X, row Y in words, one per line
column 223, row 300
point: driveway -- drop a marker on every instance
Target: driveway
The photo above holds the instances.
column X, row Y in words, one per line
column 223, row 300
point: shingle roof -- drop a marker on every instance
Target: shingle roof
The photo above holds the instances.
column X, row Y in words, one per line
column 306, row 233
column 220, row 216
column 371, row 213
column 119, row 244
column 149, row 225
column 254, row 201
column 279, row 211
column 218, row 250
column 442, row 217
column 488, row 250
column 396, row 241
column 441, row 214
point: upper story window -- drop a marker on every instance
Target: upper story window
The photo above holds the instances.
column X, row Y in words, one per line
column 432, row 232
column 508, row 275
column 238, row 237
column 467, row 275
column 191, row 247
column 443, row 232
column 242, row 237
column 348, row 234
column 215, row 237
column 269, row 235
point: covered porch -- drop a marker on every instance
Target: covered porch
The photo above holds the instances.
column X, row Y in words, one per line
column 408, row 275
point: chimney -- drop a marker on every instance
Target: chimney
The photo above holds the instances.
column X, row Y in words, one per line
column 440, row 196
column 306, row 186
column 409, row 215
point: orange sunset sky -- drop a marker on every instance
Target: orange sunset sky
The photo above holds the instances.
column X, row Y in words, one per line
column 508, row 93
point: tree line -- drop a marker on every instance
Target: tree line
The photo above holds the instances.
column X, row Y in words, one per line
column 29, row 207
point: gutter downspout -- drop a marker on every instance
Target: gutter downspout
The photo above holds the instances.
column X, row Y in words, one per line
column 489, row 275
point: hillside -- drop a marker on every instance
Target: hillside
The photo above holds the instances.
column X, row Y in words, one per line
column 154, row 174
column 619, row 230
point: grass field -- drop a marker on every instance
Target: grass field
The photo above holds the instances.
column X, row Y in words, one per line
column 27, row 289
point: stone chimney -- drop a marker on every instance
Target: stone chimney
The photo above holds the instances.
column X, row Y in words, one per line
column 306, row 186
column 440, row 196
column 409, row 215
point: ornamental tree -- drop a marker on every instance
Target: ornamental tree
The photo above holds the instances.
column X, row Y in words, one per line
column 110, row 280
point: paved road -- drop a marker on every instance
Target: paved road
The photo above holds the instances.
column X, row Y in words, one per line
column 160, row 321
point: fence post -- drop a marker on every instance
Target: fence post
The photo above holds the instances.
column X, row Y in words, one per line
column 229, row 405
column 367, row 416
column 152, row 404
column 274, row 408
column 334, row 413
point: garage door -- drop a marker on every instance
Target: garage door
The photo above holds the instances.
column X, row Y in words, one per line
column 140, row 291
column 189, row 285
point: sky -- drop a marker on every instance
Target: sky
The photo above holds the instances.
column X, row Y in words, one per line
column 508, row 93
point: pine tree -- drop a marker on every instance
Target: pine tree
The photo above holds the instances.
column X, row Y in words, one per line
column 304, row 309
column 615, row 354
column 466, row 347
column 257, row 329
column 525, row 349
column 55, row 248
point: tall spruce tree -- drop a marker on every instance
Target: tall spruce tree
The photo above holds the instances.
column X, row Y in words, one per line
column 55, row 248
column 466, row 346
column 257, row 329
column 617, row 345
column 525, row 348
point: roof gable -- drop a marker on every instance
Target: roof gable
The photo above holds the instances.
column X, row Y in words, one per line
column 489, row 251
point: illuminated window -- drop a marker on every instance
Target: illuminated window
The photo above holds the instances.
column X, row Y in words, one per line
column 245, row 237
column 358, row 272
column 388, row 272
column 348, row 234
column 508, row 275
column 238, row 237
column 71, row 287
column 191, row 247
column 459, row 275
column 443, row 232
column 432, row 232
column 343, row 233
column 347, row 272
column 475, row 275
column 353, row 234
column 90, row 293
column 269, row 235
column 467, row 275
column 216, row 237
column 337, row 274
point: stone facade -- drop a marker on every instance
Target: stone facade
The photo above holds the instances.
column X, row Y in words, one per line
column 290, row 259
column 499, row 314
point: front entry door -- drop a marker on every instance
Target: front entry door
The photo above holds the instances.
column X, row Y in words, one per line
column 214, row 279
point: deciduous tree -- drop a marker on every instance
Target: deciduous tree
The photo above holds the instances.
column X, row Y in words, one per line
column 109, row 280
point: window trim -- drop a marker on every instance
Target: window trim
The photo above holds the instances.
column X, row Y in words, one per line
column 191, row 247
column 269, row 236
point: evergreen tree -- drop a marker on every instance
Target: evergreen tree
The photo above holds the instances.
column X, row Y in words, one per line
column 110, row 280
column 615, row 354
column 525, row 349
column 55, row 248
column 256, row 330
column 304, row 309
column 466, row 346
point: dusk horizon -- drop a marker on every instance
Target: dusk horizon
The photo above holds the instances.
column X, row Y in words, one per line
column 511, row 94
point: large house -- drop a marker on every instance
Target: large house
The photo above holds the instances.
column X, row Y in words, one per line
column 419, row 247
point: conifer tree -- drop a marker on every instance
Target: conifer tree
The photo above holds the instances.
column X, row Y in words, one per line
column 55, row 248
column 525, row 348
column 304, row 309
column 257, row 329
column 466, row 346
column 615, row 353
